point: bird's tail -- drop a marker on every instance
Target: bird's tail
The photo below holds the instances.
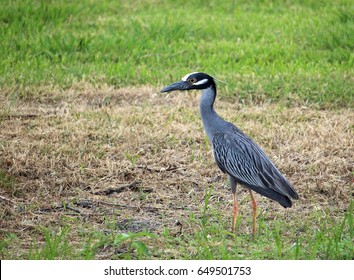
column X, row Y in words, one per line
column 283, row 200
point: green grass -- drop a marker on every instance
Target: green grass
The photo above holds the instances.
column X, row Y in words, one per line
column 333, row 239
column 296, row 51
column 275, row 239
column 8, row 183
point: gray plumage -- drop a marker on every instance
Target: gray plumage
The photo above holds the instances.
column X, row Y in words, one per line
column 239, row 156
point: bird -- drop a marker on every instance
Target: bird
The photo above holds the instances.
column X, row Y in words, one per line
column 235, row 153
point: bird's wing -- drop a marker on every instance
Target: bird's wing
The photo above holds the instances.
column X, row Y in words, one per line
column 239, row 156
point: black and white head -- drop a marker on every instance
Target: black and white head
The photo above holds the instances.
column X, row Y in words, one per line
column 195, row 80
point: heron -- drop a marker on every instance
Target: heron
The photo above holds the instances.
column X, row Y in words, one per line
column 235, row 153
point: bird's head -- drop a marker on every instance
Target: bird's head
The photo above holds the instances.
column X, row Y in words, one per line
column 195, row 80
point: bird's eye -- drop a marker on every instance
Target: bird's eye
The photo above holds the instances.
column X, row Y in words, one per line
column 192, row 80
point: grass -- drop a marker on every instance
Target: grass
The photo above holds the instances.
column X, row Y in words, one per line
column 96, row 164
column 293, row 51
column 61, row 156
column 334, row 240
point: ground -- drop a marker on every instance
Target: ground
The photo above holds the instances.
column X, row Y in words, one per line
column 81, row 157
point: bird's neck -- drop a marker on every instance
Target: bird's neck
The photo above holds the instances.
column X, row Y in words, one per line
column 209, row 117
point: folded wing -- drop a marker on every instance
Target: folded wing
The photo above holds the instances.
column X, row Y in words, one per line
column 239, row 156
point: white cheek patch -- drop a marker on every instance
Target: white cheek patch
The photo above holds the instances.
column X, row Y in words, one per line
column 186, row 76
column 201, row 82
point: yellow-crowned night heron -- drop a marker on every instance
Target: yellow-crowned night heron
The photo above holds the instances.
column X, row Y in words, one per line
column 235, row 153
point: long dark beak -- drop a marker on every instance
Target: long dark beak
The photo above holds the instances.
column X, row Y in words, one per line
column 181, row 85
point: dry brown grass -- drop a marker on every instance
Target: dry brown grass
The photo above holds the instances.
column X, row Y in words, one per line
column 69, row 147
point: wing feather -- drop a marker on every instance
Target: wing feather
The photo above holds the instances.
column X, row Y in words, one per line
column 239, row 156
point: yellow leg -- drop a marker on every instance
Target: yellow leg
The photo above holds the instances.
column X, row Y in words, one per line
column 254, row 206
column 235, row 210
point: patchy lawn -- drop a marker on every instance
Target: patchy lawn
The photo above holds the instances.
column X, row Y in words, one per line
column 134, row 160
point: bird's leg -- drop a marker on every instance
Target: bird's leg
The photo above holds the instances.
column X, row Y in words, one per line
column 235, row 204
column 254, row 206
column 235, row 211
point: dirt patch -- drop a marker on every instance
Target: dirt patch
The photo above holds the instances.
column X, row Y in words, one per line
column 68, row 155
